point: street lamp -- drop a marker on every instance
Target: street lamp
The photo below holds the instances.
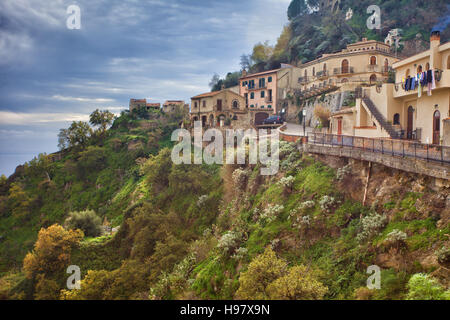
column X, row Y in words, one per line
column 304, row 122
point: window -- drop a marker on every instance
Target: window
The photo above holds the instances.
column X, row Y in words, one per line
column 269, row 106
column 252, row 95
column 427, row 67
column 195, row 104
column 314, row 71
column 263, row 94
column 269, row 79
column 262, row 82
column 396, row 119
column 235, row 105
column 204, row 104
column 373, row 60
column 252, row 106
column 262, row 107
column 419, row 69
column 407, row 73
column 448, row 62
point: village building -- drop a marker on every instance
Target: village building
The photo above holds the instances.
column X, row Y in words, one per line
column 174, row 105
column 265, row 92
column 142, row 103
column 416, row 107
column 219, row 108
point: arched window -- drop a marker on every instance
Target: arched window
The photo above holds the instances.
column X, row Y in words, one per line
column 373, row 60
column 235, row 104
column 324, row 68
column 448, row 62
column 386, row 65
column 419, row 69
column 427, row 66
column 373, row 78
column 314, row 71
column 344, row 66
column 396, row 119
column 345, row 80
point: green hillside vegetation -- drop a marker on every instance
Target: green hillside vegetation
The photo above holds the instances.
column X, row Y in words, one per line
column 203, row 231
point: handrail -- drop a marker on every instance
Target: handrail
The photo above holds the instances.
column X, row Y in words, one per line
column 394, row 147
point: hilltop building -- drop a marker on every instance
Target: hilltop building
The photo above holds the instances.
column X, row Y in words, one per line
column 216, row 108
column 142, row 103
column 416, row 107
column 174, row 105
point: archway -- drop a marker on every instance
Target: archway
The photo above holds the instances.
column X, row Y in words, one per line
column 345, row 66
column 260, row 117
column 436, row 127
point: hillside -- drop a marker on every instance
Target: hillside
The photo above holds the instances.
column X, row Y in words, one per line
column 212, row 232
column 328, row 29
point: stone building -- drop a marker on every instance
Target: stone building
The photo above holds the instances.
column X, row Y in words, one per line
column 214, row 108
column 174, row 105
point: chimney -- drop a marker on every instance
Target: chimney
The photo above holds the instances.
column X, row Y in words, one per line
column 435, row 42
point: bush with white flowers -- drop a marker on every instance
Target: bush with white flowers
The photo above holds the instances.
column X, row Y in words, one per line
column 371, row 225
column 201, row 200
column 240, row 178
column 327, row 203
column 287, row 182
column 229, row 241
column 271, row 213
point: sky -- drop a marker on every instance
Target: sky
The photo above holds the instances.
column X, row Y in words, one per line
column 155, row 49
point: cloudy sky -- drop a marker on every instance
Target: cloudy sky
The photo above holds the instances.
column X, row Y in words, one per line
column 154, row 49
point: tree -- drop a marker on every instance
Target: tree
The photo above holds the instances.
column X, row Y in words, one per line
column 423, row 287
column 268, row 277
column 78, row 134
column 87, row 221
column 262, row 52
column 261, row 272
column 297, row 8
column 246, row 62
column 283, row 41
column 214, row 81
column 299, row 284
column 157, row 169
column 101, row 119
column 51, row 253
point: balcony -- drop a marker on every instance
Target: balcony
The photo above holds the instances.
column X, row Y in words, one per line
column 322, row 74
column 268, row 100
column 442, row 81
column 342, row 71
column 379, row 69
column 304, row 80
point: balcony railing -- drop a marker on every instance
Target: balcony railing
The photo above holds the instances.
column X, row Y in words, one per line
column 399, row 148
column 304, row 80
column 322, row 74
column 346, row 70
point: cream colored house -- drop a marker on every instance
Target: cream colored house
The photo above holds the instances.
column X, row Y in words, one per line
column 396, row 111
column 364, row 62
column 213, row 108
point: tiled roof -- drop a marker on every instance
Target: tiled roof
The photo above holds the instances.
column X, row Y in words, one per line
column 260, row 73
column 205, row 95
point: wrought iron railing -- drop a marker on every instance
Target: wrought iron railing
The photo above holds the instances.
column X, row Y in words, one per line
column 393, row 147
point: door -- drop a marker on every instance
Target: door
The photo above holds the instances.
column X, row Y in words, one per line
column 219, row 105
column 437, row 127
column 409, row 128
column 339, row 130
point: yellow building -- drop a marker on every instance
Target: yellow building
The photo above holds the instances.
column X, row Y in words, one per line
column 213, row 108
column 364, row 62
column 402, row 111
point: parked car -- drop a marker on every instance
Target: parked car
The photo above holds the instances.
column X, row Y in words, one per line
column 273, row 120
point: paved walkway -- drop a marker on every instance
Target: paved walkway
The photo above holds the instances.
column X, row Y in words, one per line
column 296, row 129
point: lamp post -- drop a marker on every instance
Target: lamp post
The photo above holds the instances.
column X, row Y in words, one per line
column 304, row 122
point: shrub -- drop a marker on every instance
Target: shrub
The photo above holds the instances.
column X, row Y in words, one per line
column 201, row 200
column 371, row 225
column 342, row 172
column 240, row 254
column 396, row 238
column 240, row 178
column 271, row 213
column 423, row 287
column 229, row 241
column 327, row 203
column 87, row 221
column 287, row 182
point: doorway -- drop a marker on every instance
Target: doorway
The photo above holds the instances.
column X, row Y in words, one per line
column 436, row 127
column 409, row 128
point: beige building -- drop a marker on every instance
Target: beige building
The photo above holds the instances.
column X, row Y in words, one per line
column 364, row 62
column 174, row 105
column 214, row 108
column 400, row 112
column 142, row 103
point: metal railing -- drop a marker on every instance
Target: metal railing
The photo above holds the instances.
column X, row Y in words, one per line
column 344, row 70
column 393, row 147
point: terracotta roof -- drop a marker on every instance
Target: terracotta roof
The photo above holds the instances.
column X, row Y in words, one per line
column 205, row 95
column 260, row 73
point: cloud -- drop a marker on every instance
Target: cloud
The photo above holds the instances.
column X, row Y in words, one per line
column 79, row 99
column 17, row 118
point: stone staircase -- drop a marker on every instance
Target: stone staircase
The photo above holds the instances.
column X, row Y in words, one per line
column 380, row 118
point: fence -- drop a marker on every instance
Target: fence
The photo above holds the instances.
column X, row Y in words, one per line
column 400, row 148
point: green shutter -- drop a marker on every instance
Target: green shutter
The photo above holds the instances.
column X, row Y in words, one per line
column 270, row 79
column 269, row 106
column 262, row 107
